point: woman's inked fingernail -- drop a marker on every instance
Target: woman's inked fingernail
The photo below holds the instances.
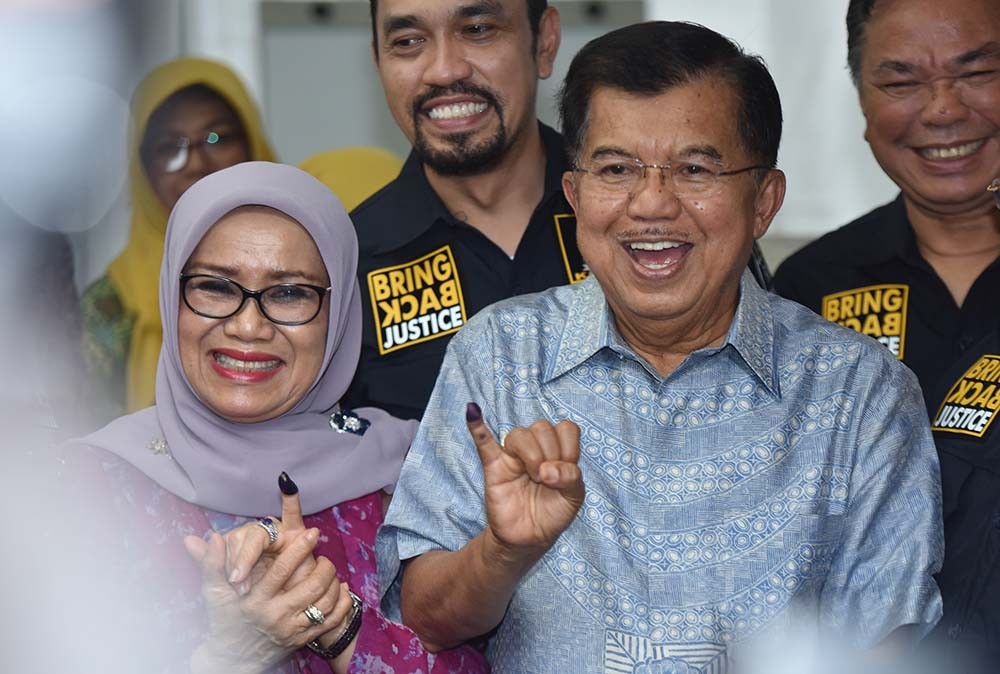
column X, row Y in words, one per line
column 473, row 413
column 285, row 484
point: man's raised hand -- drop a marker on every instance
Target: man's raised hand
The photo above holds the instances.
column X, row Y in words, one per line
column 534, row 487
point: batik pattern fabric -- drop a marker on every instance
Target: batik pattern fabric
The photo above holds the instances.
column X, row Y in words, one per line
column 784, row 479
column 153, row 523
column 107, row 331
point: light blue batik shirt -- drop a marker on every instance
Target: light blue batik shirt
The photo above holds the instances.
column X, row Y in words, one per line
column 786, row 479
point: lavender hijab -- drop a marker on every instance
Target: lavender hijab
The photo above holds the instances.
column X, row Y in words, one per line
column 229, row 467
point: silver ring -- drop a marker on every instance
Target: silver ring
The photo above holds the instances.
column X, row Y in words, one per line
column 315, row 616
column 267, row 524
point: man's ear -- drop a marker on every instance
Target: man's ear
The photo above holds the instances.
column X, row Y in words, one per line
column 547, row 43
column 569, row 189
column 864, row 95
column 767, row 203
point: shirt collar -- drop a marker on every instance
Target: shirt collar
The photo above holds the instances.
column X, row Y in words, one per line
column 421, row 207
column 892, row 239
column 590, row 327
column 752, row 332
column 415, row 205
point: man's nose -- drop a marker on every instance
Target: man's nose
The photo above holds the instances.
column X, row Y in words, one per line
column 945, row 103
column 448, row 64
column 654, row 196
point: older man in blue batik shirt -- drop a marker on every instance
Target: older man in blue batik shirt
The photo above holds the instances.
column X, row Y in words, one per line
column 659, row 468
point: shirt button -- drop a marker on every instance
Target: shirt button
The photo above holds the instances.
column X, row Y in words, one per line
column 954, row 631
column 964, row 343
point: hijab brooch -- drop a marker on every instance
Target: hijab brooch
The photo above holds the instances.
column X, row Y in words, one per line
column 158, row 446
column 346, row 421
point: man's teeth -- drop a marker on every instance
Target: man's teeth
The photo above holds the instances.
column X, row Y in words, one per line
column 951, row 152
column 245, row 365
column 654, row 245
column 457, row 110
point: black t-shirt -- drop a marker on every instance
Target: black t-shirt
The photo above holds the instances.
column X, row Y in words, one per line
column 424, row 273
column 869, row 276
column 967, row 435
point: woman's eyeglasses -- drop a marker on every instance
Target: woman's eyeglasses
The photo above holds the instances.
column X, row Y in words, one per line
column 171, row 155
column 219, row 297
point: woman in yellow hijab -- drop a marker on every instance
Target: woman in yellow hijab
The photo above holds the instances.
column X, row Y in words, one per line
column 190, row 117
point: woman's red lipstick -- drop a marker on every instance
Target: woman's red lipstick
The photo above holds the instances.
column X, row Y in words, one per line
column 245, row 366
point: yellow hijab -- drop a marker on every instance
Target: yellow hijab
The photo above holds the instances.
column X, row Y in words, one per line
column 136, row 272
column 353, row 173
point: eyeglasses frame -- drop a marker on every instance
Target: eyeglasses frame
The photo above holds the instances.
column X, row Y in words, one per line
column 186, row 143
column 254, row 295
column 669, row 167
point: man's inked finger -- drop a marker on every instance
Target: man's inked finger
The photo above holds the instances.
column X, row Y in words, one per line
column 487, row 446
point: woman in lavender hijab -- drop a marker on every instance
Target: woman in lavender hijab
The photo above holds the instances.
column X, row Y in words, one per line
column 262, row 329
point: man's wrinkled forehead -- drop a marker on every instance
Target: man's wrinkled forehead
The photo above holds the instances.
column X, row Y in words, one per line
column 986, row 54
column 601, row 109
column 964, row 34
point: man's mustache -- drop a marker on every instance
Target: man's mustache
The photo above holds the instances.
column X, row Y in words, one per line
column 458, row 88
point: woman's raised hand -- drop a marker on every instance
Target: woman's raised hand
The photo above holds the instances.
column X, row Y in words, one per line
column 266, row 598
column 247, row 545
column 249, row 634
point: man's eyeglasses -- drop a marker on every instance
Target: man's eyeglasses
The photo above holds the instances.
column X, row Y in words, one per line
column 994, row 187
column 219, row 297
column 618, row 176
column 170, row 155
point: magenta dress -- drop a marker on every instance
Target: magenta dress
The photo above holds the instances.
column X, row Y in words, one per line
column 154, row 522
